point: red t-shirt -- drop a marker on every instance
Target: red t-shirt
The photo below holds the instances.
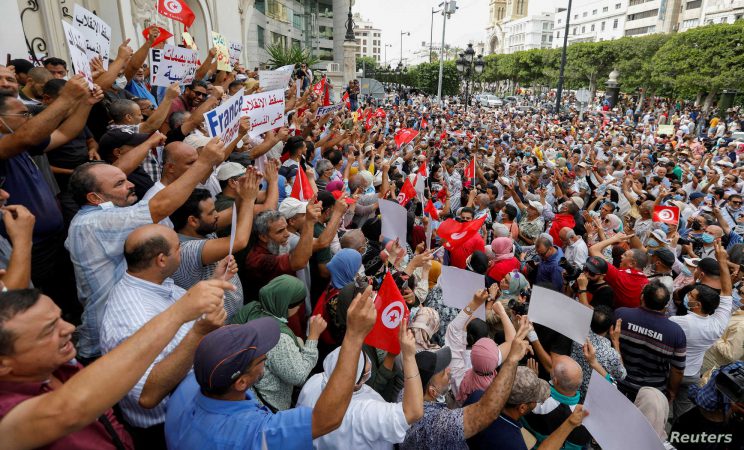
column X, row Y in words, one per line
column 460, row 253
column 499, row 269
column 93, row 437
column 627, row 285
column 262, row 266
column 561, row 221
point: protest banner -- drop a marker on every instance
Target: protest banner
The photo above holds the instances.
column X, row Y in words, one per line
column 266, row 111
column 270, row 80
column 394, row 219
column 224, row 120
column 459, row 286
column 172, row 64
column 560, row 313
column 223, row 54
column 234, row 51
column 76, row 47
column 329, row 109
column 95, row 31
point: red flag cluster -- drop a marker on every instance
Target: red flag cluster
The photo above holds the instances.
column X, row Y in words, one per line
column 404, row 136
column 407, row 192
column 162, row 37
column 666, row 214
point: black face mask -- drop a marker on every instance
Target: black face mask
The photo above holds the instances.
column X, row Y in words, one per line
column 696, row 226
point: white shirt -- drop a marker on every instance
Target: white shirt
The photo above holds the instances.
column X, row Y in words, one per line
column 577, row 253
column 369, row 423
column 131, row 304
column 703, row 332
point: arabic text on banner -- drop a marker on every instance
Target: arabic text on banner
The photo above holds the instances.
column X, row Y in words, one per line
column 223, row 54
column 266, row 111
column 95, row 31
column 224, row 120
column 171, row 64
column 76, row 47
column 234, row 51
column 273, row 79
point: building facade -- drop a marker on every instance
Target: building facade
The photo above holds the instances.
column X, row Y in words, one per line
column 591, row 21
column 501, row 12
column 368, row 39
column 318, row 24
column 527, row 33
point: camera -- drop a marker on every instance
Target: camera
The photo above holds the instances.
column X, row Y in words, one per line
column 519, row 308
column 731, row 383
column 571, row 271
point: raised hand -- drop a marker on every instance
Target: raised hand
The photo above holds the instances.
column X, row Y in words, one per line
column 406, row 338
column 226, row 268
column 317, row 326
column 361, row 315
column 173, row 91
column 204, row 297
column 213, row 152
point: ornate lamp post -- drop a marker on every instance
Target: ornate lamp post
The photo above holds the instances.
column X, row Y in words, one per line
column 469, row 68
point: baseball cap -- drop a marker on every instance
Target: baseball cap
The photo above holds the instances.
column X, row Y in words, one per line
column 692, row 262
column 197, row 140
column 709, row 266
column 431, row 363
column 230, row 170
column 288, row 172
column 113, row 139
column 528, row 388
column 696, row 195
column 596, row 265
column 478, row 262
column 660, row 236
column 578, row 201
column 290, row 207
column 537, row 205
column 226, row 352
column 664, row 255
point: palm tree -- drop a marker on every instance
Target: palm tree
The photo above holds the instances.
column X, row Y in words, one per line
column 282, row 56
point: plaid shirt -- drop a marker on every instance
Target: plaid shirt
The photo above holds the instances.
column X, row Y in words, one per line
column 708, row 397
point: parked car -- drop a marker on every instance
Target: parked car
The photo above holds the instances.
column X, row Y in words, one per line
column 490, row 100
column 511, row 99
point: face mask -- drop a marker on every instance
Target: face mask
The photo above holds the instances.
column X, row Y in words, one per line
column 708, row 238
column 120, row 83
column 369, row 190
column 677, row 197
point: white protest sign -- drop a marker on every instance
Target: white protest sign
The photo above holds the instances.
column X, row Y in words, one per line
column 612, row 416
column 234, row 51
column 298, row 86
column 76, row 47
column 270, row 80
column 224, row 120
column 266, row 111
column 560, row 313
column 96, row 32
column 172, row 64
column 459, row 286
column 288, row 67
column 328, row 109
column 394, row 220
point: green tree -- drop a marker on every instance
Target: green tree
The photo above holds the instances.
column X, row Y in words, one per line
column 425, row 76
column 282, row 56
column 366, row 62
column 589, row 62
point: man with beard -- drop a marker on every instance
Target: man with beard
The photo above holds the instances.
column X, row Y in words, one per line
column 593, row 289
column 269, row 258
column 107, row 215
column 201, row 250
column 193, row 96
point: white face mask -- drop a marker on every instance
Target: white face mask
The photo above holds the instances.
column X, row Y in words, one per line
column 120, row 83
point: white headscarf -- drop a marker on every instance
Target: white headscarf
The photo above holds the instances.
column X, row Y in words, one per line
column 330, row 362
column 655, row 406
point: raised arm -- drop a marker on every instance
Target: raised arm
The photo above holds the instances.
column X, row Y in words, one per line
column 107, row 77
column 413, row 393
column 19, row 224
column 139, row 57
column 132, row 159
column 83, row 398
column 301, row 254
column 155, row 121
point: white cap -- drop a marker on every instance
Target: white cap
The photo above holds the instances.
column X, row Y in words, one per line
column 290, row 207
column 230, row 170
column 196, row 140
column 537, row 205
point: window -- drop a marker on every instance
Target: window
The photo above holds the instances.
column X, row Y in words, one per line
column 298, row 21
column 574, row 32
column 594, row 12
column 559, row 21
column 614, row 24
column 644, row 14
column 694, row 4
column 260, row 36
column 585, row 13
column 618, row 5
column 279, row 39
column 277, row 11
column 640, row 30
column 583, row 29
column 605, row 9
column 592, row 29
column 261, row 6
column 558, row 34
column 576, row 16
column 296, row 43
column 602, row 27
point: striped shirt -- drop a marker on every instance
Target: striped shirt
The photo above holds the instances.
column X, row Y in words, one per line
column 96, row 244
column 132, row 303
column 650, row 344
column 191, row 271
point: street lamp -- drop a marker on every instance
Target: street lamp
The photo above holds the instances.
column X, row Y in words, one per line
column 386, row 47
column 449, row 8
column 431, row 32
column 407, row 33
column 559, row 88
column 469, row 69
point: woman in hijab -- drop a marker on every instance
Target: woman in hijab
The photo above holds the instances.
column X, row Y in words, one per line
column 511, row 286
column 372, row 230
column 425, row 325
column 343, row 268
column 434, row 271
column 290, row 362
column 485, row 357
column 504, row 261
column 655, row 406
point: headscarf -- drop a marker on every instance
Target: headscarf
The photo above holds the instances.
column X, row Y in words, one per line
column 274, row 300
column 330, row 362
column 425, row 325
column 485, row 357
column 655, row 406
column 344, row 266
column 613, row 226
column 335, row 185
column 434, row 272
column 503, row 248
column 517, row 283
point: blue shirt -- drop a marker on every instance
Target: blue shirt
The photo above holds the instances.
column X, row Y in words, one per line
column 549, row 271
column 194, row 421
column 504, row 432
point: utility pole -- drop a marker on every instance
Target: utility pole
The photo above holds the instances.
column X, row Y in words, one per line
column 431, row 33
column 559, row 88
column 449, row 7
column 408, row 33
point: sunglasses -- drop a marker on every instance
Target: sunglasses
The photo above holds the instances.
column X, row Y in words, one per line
column 201, row 94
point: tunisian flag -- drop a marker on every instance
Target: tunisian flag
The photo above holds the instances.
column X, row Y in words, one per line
column 407, row 192
column 470, row 170
column 431, row 210
column 177, row 10
column 391, row 312
column 453, row 232
column 346, row 100
column 666, row 214
column 424, row 123
column 423, row 170
column 404, row 136
column 162, row 37
column 301, row 189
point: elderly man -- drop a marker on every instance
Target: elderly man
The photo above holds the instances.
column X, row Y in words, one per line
column 505, row 432
column 268, row 258
column 47, row 399
column 108, row 214
column 444, row 428
column 549, row 415
column 575, row 249
column 628, row 280
column 146, row 289
column 370, row 421
column 549, row 270
column 231, row 360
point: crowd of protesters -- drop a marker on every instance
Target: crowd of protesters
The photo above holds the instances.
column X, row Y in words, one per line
column 134, row 316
